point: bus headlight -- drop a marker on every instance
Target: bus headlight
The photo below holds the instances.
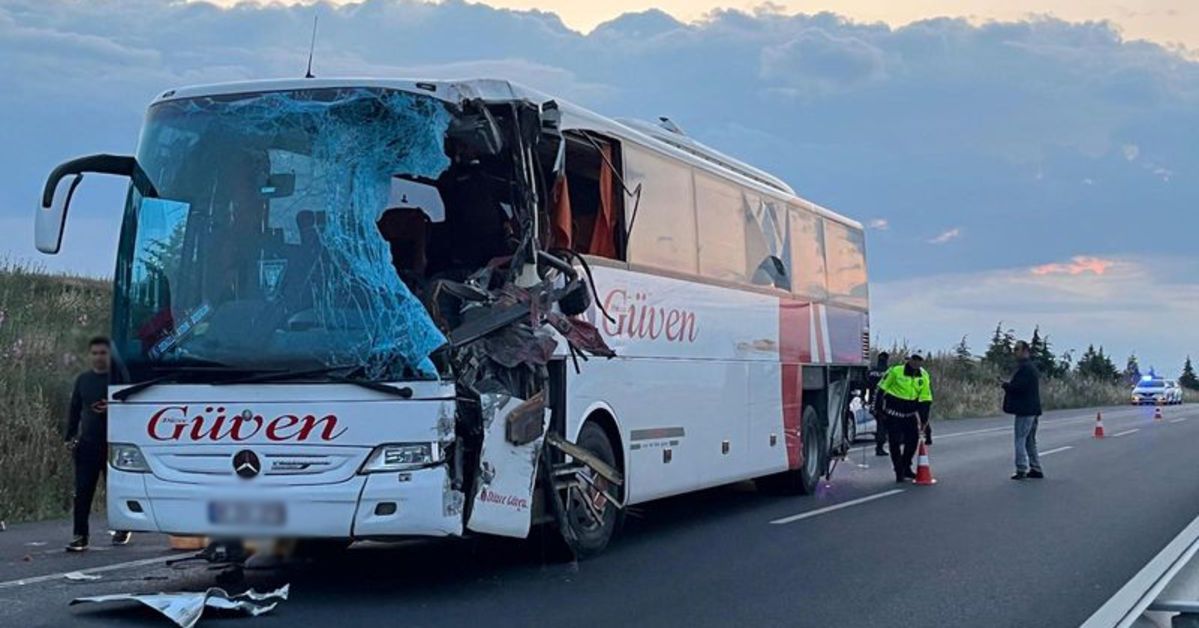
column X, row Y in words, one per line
column 124, row 457
column 402, row 457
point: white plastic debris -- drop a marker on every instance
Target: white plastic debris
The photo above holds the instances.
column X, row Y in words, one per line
column 185, row 608
column 79, row 576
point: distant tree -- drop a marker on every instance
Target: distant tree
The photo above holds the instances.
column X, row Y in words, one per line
column 1108, row 368
column 961, row 352
column 1042, row 355
column 999, row 352
column 1132, row 370
column 1065, row 363
column 1189, row 379
column 1097, row 365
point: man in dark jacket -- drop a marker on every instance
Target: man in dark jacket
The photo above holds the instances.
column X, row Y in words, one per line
column 874, row 401
column 1022, row 398
column 87, row 437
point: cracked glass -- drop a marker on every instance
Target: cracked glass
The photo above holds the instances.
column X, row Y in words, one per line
column 263, row 249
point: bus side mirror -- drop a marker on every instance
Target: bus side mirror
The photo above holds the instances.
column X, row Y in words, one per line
column 51, row 220
column 60, row 187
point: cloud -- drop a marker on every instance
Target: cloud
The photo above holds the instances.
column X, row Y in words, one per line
column 1074, row 309
column 817, row 59
column 1076, row 266
column 879, row 224
column 946, row 236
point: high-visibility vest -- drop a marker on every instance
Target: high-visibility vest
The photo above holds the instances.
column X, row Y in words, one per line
column 900, row 385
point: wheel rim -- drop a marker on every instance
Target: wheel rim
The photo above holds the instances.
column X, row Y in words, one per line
column 578, row 512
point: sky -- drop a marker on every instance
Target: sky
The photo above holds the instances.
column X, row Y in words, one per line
column 1171, row 22
column 1033, row 165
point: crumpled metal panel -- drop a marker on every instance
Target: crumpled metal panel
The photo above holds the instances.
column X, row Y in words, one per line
column 503, row 498
column 186, row 607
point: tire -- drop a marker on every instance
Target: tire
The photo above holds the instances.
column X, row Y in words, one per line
column 851, row 429
column 591, row 539
column 803, row 481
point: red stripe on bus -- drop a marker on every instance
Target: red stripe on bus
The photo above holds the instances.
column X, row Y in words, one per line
column 795, row 340
column 795, row 332
column 792, row 407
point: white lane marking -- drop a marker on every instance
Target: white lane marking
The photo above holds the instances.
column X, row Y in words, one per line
column 1056, row 451
column 1179, row 419
column 1126, row 432
column 972, row 432
column 821, row 511
column 58, row 576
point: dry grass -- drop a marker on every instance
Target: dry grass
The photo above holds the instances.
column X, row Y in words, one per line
column 971, row 389
column 45, row 322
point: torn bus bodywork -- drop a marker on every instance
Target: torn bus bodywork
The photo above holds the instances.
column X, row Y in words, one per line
column 504, row 324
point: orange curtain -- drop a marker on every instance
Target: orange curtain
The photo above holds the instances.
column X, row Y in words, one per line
column 603, row 242
column 560, row 218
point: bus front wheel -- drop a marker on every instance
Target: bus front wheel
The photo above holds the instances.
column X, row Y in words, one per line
column 592, row 534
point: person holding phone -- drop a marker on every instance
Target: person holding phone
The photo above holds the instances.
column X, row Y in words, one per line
column 87, row 438
column 1022, row 399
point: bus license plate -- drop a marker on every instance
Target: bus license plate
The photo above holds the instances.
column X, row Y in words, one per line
column 270, row 514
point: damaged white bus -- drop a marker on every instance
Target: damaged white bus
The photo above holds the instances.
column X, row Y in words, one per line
column 359, row 309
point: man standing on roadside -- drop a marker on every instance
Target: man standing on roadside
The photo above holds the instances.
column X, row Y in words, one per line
column 1022, row 398
column 87, row 438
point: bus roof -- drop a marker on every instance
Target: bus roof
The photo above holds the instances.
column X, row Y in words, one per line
column 647, row 134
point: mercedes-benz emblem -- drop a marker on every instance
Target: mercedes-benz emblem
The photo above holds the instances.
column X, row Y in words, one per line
column 246, row 464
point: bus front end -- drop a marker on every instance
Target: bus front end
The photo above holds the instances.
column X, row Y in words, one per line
column 293, row 461
column 332, row 315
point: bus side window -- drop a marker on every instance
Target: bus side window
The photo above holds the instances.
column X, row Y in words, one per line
column 846, row 264
column 663, row 229
column 807, row 254
column 767, row 242
column 720, row 215
column 588, row 201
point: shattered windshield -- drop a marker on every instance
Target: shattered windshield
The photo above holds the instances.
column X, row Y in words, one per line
column 264, row 248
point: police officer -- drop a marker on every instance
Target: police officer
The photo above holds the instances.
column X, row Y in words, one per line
column 872, row 380
column 906, row 398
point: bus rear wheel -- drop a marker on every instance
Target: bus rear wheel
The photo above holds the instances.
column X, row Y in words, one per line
column 590, row 533
column 803, row 481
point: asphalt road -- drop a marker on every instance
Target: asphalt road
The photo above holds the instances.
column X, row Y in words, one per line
column 977, row 549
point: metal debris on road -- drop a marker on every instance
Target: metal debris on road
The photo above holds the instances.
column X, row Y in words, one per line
column 185, row 607
column 35, row 544
column 79, row 576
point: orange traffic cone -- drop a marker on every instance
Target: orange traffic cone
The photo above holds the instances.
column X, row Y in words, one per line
column 1157, row 413
column 1098, row 425
column 924, row 473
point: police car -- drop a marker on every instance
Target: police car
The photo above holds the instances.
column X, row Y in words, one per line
column 1156, row 391
column 863, row 422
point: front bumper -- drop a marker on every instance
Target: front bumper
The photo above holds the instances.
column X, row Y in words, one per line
column 425, row 505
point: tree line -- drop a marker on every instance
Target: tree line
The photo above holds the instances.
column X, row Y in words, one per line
column 1095, row 364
